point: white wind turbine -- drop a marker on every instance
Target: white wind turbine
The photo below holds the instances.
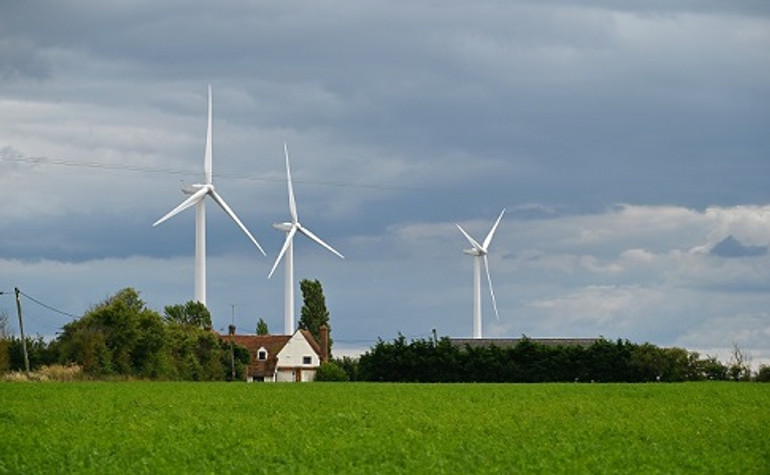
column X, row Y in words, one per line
column 198, row 194
column 479, row 253
column 291, row 228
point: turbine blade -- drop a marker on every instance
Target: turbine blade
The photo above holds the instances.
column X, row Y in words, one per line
column 194, row 198
column 318, row 240
column 221, row 202
column 292, row 202
column 207, row 158
column 289, row 237
column 491, row 291
column 469, row 238
column 488, row 239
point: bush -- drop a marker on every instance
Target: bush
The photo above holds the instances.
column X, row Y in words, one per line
column 763, row 375
column 331, row 372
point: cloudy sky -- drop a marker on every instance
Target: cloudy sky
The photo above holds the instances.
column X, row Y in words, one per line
column 628, row 144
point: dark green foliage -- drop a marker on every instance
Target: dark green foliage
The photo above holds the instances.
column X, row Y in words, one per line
column 40, row 353
column 262, row 328
column 329, row 371
column 763, row 375
column 529, row 361
column 5, row 355
column 119, row 336
column 349, row 366
column 314, row 313
column 122, row 337
column 192, row 313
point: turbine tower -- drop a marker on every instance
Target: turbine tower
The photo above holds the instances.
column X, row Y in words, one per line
column 198, row 193
column 291, row 228
column 479, row 253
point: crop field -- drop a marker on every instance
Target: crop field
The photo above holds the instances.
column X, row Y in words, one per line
column 151, row 427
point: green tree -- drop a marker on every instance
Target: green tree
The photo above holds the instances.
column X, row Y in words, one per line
column 349, row 365
column 118, row 336
column 192, row 313
column 314, row 313
column 763, row 375
column 262, row 328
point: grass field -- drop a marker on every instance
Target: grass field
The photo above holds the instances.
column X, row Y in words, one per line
column 142, row 427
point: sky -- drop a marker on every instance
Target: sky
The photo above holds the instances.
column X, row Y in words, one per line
column 627, row 141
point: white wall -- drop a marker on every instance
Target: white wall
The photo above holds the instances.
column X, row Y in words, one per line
column 291, row 357
column 295, row 349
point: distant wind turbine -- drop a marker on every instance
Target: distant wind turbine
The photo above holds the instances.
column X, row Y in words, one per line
column 198, row 193
column 291, row 228
column 479, row 253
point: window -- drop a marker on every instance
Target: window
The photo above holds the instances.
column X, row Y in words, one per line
column 262, row 355
column 307, row 360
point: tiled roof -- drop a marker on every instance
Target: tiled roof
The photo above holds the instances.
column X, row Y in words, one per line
column 271, row 343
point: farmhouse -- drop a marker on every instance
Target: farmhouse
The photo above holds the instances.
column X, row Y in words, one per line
column 282, row 358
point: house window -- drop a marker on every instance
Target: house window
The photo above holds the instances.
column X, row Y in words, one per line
column 262, row 355
column 307, row 360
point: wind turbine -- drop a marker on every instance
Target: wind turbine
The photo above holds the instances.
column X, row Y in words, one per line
column 198, row 193
column 479, row 253
column 291, row 228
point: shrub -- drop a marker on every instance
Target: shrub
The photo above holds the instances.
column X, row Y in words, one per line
column 763, row 375
column 331, row 372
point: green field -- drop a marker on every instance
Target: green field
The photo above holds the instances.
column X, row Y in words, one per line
column 147, row 427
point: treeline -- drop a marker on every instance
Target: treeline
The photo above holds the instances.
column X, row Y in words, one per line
column 121, row 337
column 531, row 362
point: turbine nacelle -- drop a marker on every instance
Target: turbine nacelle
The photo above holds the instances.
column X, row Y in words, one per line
column 192, row 189
column 285, row 227
column 474, row 252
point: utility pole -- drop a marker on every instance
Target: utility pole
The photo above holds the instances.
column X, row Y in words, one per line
column 232, row 350
column 21, row 330
column 231, row 331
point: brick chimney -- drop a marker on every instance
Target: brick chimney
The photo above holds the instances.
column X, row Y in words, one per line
column 324, row 334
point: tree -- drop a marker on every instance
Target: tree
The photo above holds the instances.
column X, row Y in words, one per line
column 119, row 336
column 192, row 313
column 314, row 313
column 740, row 364
column 763, row 375
column 262, row 328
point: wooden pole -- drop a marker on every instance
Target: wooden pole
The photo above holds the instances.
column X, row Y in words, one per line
column 232, row 351
column 21, row 330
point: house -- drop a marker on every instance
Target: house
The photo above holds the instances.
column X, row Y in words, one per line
column 282, row 358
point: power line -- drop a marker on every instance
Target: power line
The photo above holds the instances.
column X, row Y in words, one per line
column 53, row 309
column 9, row 155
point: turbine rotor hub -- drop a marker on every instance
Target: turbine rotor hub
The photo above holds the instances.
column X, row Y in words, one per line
column 192, row 189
